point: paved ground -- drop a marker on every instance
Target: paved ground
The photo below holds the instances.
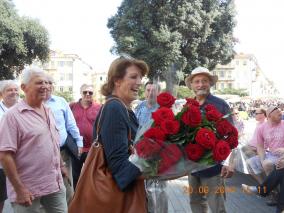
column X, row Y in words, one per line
column 237, row 201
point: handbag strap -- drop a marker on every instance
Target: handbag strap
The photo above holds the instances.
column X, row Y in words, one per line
column 98, row 125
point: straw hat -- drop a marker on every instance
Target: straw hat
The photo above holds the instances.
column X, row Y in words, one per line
column 201, row 71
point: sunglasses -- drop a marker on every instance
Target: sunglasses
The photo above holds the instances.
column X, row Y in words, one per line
column 276, row 108
column 88, row 93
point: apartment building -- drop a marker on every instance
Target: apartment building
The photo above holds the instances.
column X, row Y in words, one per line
column 243, row 72
column 69, row 72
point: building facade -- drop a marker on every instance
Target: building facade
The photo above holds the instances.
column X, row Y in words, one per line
column 243, row 72
column 69, row 72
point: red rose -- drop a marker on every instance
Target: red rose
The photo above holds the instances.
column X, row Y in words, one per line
column 221, row 151
column 205, row 138
column 191, row 101
column 192, row 117
column 147, row 148
column 194, row 151
column 155, row 134
column 170, row 155
column 232, row 139
column 170, row 127
column 213, row 115
column 223, row 127
column 162, row 114
column 210, row 107
column 165, row 99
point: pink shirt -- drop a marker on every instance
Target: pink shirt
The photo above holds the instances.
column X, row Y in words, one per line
column 253, row 141
column 35, row 143
column 271, row 136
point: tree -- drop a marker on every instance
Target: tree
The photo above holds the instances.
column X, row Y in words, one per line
column 232, row 91
column 180, row 33
column 184, row 92
column 66, row 95
column 22, row 40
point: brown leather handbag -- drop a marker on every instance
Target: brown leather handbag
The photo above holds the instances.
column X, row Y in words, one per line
column 97, row 192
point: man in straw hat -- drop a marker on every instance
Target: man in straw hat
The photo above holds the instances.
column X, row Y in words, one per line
column 200, row 82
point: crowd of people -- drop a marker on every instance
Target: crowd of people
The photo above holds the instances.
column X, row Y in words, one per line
column 44, row 172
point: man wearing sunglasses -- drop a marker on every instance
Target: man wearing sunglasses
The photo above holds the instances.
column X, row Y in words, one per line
column 85, row 112
column 270, row 146
column 270, row 135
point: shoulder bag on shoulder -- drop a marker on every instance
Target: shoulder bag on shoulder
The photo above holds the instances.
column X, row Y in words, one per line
column 97, row 192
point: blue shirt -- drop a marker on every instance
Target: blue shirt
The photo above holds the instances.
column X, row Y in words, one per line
column 144, row 113
column 64, row 118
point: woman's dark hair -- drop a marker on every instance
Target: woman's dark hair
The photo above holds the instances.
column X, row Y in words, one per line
column 117, row 70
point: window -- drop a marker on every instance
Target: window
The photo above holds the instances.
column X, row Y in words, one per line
column 101, row 78
column 70, row 89
column 70, row 76
column 69, row 63
column 61, row 89
column 222, row 74
column 229, row 74
column 245, row 62
column 52, row 65
column 60, row 63
column 61, row 76
column 222, row 86
column 230, row 85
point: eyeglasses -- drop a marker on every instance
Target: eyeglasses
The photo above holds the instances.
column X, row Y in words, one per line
column 258, row 113
column 88, row 93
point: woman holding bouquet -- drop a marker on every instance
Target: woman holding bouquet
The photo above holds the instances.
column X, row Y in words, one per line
column 115, row 128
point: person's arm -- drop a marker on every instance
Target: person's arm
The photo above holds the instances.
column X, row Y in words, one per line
column 71, row 126
column 260, row 144
column 114, row 137
column 24, row 196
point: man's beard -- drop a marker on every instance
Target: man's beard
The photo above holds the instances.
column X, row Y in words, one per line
column 202, row 92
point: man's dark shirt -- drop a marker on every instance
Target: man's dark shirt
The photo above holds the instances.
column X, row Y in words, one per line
column 224, row 108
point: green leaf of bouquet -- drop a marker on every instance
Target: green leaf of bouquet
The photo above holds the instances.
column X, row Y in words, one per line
column 207, row 159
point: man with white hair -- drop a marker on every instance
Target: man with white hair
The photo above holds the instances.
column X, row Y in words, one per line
column 29, row 150
column 9, row 91
column 200, row 82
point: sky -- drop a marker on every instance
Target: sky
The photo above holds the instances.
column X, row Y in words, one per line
column 80, row 27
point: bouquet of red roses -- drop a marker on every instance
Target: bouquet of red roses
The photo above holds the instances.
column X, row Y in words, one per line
column 172, row 145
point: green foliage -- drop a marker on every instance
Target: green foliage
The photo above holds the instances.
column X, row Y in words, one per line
column 141, row 93
column 66, row 95
column 183, row 33
column 232, row 91
column 21, row 41
column 184, row 92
